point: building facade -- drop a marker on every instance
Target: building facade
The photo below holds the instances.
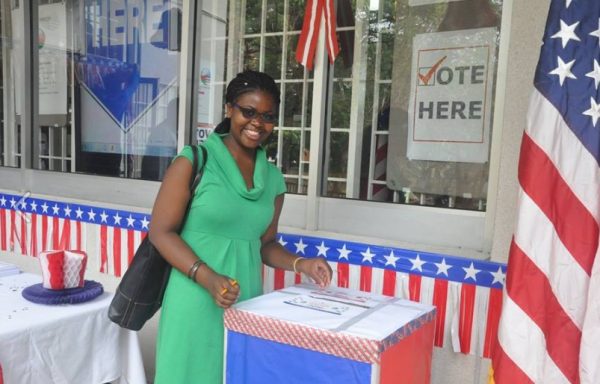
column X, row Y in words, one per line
column 399, row 155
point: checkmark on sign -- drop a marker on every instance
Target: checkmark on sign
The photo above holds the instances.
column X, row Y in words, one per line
column 429, row 74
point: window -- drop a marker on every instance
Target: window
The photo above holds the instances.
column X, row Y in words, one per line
column 406, row 116
column 11, row 43
column 396, row 133
column 106, row 87
column 376, row 146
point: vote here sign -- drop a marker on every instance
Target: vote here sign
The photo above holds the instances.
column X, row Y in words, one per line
column 451, row 95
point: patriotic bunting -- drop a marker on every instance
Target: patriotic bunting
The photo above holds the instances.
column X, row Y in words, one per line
column 466, row 292
column 307, row 43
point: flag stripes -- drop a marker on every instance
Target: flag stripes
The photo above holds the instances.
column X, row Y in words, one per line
column 561, row 335
column 561, row 262
column 309, row 36
column 575, row 226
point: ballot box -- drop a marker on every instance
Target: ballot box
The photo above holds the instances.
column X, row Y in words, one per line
column 304, row 334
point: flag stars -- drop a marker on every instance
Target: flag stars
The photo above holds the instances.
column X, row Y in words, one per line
column 499, row 276
column 344, row 252
column 3, row 201
column 391, row 259
column 322, row 249
column 117, row 219
column 595, row 74
column 145, row 222
column 417, row 264
column 13, row 202
column 91, row 215
column 367, row 256
column 44, row 208
column 596, row 33
column 563, row 70
column 281, row 241
column 471, row 272
column 103, row 217
column 594, row 111
column 300, row 246
column 442, row 268
column 130, row 221
column 33, row 205
column 566, row 33
column 79, row 213
column 67, row 211
column 55, row 209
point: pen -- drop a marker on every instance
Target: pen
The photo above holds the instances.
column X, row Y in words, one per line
column 232, row 282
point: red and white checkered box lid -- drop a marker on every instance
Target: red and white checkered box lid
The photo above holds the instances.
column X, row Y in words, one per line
column 337, row 321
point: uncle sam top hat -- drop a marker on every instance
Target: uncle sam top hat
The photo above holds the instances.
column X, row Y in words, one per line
column 63, row 279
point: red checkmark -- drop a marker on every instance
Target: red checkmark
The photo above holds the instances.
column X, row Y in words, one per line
column 425, row 78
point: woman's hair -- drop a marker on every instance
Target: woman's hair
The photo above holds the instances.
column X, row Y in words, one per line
column 244, row 82
column 249, row 81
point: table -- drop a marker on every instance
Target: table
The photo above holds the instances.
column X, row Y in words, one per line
column 72, row 343
column 303, row 334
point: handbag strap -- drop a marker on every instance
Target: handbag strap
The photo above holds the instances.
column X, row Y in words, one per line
column 197, row 173
column 196, row 176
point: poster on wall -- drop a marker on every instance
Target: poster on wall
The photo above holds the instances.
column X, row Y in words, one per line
column 128, row 70
column 211, row 76
column 449, row 113
column 52, row 45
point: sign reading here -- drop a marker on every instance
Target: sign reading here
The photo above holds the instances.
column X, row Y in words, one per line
column 450, row 104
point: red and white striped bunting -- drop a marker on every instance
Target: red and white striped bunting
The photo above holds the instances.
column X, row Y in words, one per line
column 467, row 313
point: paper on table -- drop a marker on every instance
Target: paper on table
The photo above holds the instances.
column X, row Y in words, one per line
column 7, row 269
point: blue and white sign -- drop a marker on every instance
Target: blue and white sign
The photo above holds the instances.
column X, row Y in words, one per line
column 128, row 68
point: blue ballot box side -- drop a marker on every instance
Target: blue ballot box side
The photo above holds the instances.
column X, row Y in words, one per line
column 250, row 359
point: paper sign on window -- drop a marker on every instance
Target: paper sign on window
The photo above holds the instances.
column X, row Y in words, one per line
column 451, row 94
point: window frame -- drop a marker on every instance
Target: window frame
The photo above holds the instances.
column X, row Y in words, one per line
column 457, row 232
column 106, row 190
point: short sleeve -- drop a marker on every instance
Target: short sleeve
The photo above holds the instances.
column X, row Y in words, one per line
column 188, row 153
column 277, row 180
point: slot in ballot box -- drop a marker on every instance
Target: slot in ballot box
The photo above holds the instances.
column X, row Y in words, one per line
column 304, row 334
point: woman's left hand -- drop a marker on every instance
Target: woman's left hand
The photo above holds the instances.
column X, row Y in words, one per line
column 317, row 269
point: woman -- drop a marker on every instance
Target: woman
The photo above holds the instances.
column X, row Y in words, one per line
column 231, row 226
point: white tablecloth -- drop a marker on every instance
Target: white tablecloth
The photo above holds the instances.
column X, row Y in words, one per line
column 68, row 344
column 8, row 269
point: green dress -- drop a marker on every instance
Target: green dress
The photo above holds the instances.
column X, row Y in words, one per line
column 224, row 227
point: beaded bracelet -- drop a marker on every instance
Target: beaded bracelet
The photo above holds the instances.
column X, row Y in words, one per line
column 194, row 268
column 296, row 262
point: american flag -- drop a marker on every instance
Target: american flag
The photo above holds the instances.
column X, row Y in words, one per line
column 307, row 42
column 550, row 325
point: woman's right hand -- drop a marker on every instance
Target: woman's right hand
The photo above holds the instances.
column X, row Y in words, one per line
column 224, row 290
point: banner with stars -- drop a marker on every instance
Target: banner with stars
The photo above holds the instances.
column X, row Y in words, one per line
column 466, row 292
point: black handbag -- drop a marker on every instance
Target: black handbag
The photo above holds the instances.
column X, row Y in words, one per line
column 141, row 290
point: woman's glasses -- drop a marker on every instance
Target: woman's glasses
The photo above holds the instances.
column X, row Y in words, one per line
column 251, row 113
